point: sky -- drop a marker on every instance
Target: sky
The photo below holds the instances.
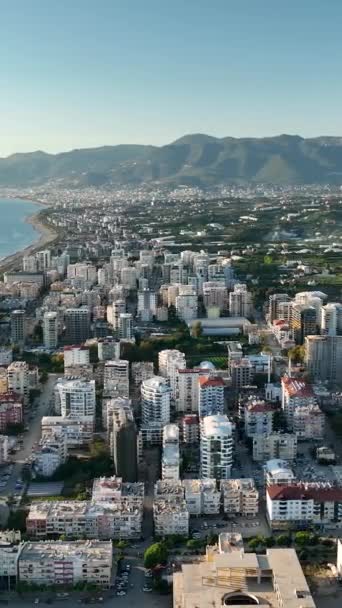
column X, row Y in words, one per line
column 84, row 73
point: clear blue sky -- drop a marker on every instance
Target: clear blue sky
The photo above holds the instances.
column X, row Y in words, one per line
column 77, row 73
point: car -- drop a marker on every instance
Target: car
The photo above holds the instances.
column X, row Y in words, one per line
column 147, row 589
column 36, row 601
column 64, row 594
column 121, row 593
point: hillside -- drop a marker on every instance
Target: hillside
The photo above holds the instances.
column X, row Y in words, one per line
column 193, row 159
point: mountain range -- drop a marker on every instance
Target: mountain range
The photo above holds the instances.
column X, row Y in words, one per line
column 199, row 160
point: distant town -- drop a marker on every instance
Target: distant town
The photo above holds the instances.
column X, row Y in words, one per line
column 171, row 398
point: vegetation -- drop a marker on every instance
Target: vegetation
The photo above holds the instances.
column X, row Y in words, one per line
column 155, row 554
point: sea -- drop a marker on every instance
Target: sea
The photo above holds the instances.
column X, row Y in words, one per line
column 15, row 233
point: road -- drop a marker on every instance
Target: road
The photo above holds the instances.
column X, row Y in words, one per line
column 32, row 435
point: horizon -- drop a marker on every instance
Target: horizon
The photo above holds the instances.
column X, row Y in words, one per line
column 243, row 137
column 80, row 75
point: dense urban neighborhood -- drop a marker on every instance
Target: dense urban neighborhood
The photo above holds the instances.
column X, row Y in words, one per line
column 171, row 398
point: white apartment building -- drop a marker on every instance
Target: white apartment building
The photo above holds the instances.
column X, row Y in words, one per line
column 114, row 311
column 187, row 390
column 202, row 496
column 111, row 405
column 323, row 357
column 215, row 294
column 75, row 397
column 79, row 519
column 274, row 446
column 18, row 379
column 51, row 453
column 147, row 304
column 6, row 355
column 76, row 431
column 141, row 371
column 82, row 275
column 210, row 396
column 309, row 422
column 156, row 397
column 296, row 393
column 108, row 348
column 300, row 504
column 66, row 563
column 126, row 326
column 187, row 306
column 240, row 301
column 76, row 355
column 4, row 447
column 170, row 455
column 113, row 489
column 116, row 377
column 216, row 447
column 10, row 548
column 190, row 429
column 258, row 417
column 331, row 319
column 50, row 330
column 278, row 473
column 240, row 497
column 170, row 516
column 242, row 372
column 169, row 362
column 129, row 277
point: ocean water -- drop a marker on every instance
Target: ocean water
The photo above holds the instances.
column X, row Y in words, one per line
column 15, row 234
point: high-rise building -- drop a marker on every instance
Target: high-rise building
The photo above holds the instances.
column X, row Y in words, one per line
column 210, row 396
column 216, row 446
column 75, row 397
column 156, row 397
column 108, row 348
column 215, row 294
column 116, row 377
column 77, row 325
column 303, row 322
column 114, row 311
column 323, row 357
column 295, row 393
column 331, row 319
column 129, row 277
column 18, row 379
column 169, row 362
column 18, row 327
column 274, row 303
column 126, row 326
column 240, row 301
column 147, row 304
column 170, row 457
column 123, row 441
column 187, row 390
column 76, row 355
column 187, row 306
column 50, row 330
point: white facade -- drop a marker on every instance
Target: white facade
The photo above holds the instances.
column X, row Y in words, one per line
column 240, row 497
column 210, row 396
column 202, row 496
column 125, row 326
column 76, row 355
column 169, row 362
column 187, row 390
column 156, row 397
column 3, row 449
column 240, row 301
column 258, row 418
column 76, row 398
column 216, row 447
column 108, row 349
column 129, row 277
column 171, row 456
column 186, row 306
column 309, row 422
column 18, row 379
column 273, row 446
column 6, row 355
column 116, row 377
column 170, row 516
column 50, row 330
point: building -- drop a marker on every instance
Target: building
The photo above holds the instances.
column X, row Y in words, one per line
column 11, row 410
column 123, row 443
column 170, row 455
column 323, row 357
column 18, row 380
column 51, row 452
column 114, row 311
column 18, row 327
column 129, row 277
column 216, row 447
column 339, row 556
column 108, row 348
column 147, row 304
column 170, row 517
column 330, row 318
column 258, row 417
column 126, row 326
column 298, row 505
column 190, row 429
column 303, row 322
column 4, row 446
column 169, row 362
column 229, row 576
column 278, row 473
column 309, row 422
column 240, row 301
column 242, row 373
column 77, row 325
column 120, row 519
column 75, row 398
column 281, row 446
column 66, row 563
column 187, row 390
column 187, row 306
column 141, row 371
column 240, row 497
column 113, row 489
column 215, row 294
column 10, row 548
column 76, row 355
column 156, row 397
column 274, row 306
column 6, row 355
column 50, row 330
column 296, row 393
column 76, row 432
column 202, row 496
column 210, row 396
column 116, row 377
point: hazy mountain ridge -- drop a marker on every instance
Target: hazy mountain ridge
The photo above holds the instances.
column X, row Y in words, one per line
column 193, row 159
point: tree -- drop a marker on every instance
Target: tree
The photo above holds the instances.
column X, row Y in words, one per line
column 283, row 540
column 197, row 329
column 155, row 554
column 297, row 354
column 254, row 543
column 304, row 538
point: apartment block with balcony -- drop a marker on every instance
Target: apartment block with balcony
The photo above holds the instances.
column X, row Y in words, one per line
column 240, row 497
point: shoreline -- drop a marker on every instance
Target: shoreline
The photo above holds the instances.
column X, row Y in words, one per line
column 45, row 236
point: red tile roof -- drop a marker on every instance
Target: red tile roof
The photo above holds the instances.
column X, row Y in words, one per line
column 305, row 492
column 206, row 381
column 260, row 406
column 295, row 387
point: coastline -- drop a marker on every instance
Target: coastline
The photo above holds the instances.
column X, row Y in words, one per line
column 45, row 236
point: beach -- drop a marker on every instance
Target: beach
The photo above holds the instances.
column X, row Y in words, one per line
column 46, row 236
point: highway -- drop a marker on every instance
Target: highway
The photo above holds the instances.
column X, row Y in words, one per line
column 32, row 435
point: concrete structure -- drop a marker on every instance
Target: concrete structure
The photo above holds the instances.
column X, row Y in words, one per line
column 186, row 306
column 66, row 563
column 295, row 393
column 210, row 396
column 6, row 355
column 299, row 504
column 77, row 325
column 147, row 304
column 11, row 410
column 18, row 327
column 323, row 358
column 50, row 330
column 18, row 380
column 223, row 326
column 258, row 417
column 241, row 373
column 76, row 432
column 309, row 422
column 303, row 321
column 10, row 548
column 274, row 446
column 170, row 455
column 108, row 349
column 123, row 443
column 113, row 489
column 4, row 446
column 114, row 311
column 278, row 472
column 215, row 294
column 240, row 497
column 169, row 362
column 76, row 355
column 75, row 398
column 240, row 301
column 126, row 326
column 216, row 447
column 170, row 516
column 202, row 496
column 156, row 396
column 274, row 303
column 187, row 390
column 116, row 377
column 190, row 429
column 229, row 576
column 141, row 371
